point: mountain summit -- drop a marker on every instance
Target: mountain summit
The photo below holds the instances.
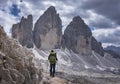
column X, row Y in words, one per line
column 77, row 36
column 23, row 31
column 47, row 32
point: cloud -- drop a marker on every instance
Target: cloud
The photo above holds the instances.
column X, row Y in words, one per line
column 99, row 21
column 108, row 36
column 15, row 10
column 109, row 9
column 101, row 15
column 7, row 20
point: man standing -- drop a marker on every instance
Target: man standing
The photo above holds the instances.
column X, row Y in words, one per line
column 52, row 59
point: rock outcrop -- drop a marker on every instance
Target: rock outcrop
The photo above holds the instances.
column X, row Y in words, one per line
column 23, row 31
column 17, row 64
column 97, row 46
column 77, row 36
column 47, row 32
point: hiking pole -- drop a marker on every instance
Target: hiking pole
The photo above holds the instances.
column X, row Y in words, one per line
column 56, row 66
column 47, row 66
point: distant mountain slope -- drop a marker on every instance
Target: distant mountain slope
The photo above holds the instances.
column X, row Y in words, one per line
column 113, row 50
column 72, row 63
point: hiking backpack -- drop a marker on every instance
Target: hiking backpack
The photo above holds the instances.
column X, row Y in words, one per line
column 52, row 58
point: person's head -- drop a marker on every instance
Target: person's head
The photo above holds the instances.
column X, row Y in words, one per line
column 52, row 51
column 4, row 58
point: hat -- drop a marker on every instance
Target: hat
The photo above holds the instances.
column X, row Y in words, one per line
column 52, row 51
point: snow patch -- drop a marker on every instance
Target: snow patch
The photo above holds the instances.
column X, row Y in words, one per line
column 37, row 55
column 86, row 67
column 100, row 68
column 73, row 63
column 112, row 68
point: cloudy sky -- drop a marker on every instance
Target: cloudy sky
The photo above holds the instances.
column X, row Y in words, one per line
column 102, row 16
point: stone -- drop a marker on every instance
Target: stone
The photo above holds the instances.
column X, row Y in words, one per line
column 17, row 63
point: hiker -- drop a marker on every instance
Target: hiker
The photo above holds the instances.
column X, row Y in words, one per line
column 52, row 59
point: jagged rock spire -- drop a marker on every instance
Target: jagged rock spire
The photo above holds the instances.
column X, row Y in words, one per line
column 23, row 31
column 47, row 32
column 77, row 36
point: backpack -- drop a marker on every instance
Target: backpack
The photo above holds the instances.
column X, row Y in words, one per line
column 52, row 58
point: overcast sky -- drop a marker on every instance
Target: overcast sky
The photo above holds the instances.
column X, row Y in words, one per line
column 102, row 16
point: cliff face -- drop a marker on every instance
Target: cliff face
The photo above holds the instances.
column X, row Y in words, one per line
column 17, row 64
column 23, row 31
column 47, row 33
column 77, row 36
column 97, row 46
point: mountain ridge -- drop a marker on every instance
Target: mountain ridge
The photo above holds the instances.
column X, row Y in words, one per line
column 113, row 50
column 47, row 34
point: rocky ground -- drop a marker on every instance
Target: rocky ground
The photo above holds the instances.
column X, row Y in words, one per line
column 62, row 78
column 18, row 65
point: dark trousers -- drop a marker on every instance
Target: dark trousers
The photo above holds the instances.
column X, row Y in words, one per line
column 52, row 69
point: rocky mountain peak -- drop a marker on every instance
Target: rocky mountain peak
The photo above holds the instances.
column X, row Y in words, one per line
column 23, row 31
column 51, row 8
column 30, row 17
column 79, row 27
column 51, row 11
column 47, row 32
column 78, row 19
column 77, row 36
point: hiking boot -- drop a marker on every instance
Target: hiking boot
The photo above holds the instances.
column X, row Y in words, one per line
column 50, row 74
column 53, row 75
